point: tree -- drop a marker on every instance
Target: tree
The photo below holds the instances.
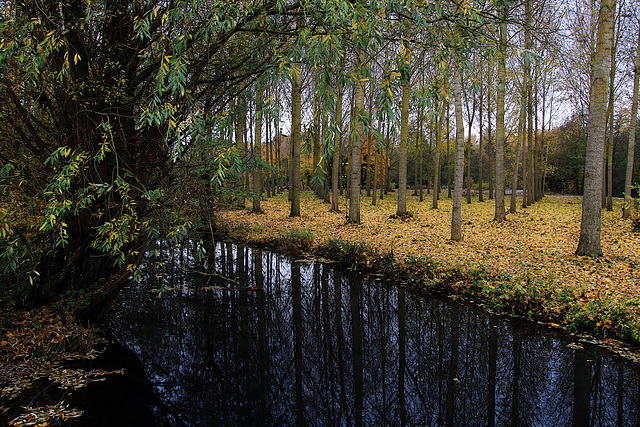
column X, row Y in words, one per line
column 500, row 214
column 437, row 177
column 456, row 212
column 521, row 137
column 359, row 136
column 258, row 174
column 632, row 127
column 405, row 76
column 296, row 134
column 591, row 226
column 337, row 148
column 107, row 101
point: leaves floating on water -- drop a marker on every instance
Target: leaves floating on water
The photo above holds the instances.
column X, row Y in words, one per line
column 18, row 377
column 46, row 415
column 76, row 378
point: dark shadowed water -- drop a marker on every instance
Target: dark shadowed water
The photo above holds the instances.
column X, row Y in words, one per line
column 316, row 347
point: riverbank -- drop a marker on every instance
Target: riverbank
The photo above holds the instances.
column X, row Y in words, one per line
column 524, row 266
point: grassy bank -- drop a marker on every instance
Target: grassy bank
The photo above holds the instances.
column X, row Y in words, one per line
column 524, row 266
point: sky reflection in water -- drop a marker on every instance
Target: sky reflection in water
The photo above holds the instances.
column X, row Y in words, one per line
column 316, row 347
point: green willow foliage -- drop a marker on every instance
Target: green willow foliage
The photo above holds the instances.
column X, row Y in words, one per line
column 114, row 114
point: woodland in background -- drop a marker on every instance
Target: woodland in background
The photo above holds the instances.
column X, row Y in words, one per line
column 123, row 121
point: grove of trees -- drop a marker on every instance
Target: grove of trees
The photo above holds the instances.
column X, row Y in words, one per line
column 122, row 121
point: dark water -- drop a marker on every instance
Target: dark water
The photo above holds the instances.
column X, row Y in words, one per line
column 316, row 347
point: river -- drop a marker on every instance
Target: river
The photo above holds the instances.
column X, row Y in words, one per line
column 305, row 343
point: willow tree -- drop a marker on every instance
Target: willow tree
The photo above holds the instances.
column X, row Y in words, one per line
column 106, row 99
column 591, row 223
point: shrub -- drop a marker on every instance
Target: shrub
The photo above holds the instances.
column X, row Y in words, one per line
column 295, row 240
column 357, row 255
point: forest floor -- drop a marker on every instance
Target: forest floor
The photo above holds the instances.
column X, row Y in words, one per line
column 524, row 266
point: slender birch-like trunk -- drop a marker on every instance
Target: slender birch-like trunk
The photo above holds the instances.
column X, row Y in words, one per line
column 456, row 213
column 591, row 224
column 632, row 129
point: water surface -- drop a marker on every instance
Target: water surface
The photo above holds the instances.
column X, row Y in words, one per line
column 314, row 346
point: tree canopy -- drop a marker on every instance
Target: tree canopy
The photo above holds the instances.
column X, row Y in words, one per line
column 118, row 116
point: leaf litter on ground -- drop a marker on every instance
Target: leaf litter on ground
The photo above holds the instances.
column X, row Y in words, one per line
column 536, row 244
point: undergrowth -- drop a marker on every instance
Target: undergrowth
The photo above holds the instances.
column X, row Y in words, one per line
column 575, row 308
column 357, row 256
column 295, row 240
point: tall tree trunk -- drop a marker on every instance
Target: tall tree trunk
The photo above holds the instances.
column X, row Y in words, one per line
column 296, row 134
column 632, row 130
column 480, row 140
column 240, row 142
column 470, row 115
column 269, row 160
column 612, row 77
column 448, row 153
column 369, row 143
column 337, row 150
column 315, row 173
column 384, row 166
column 437, row 175
column 456, row 213
column 419, row 153
column 538, row 153
column 489, row 139
column 349, row 165
column 591, row 224
column 500, row 214
column 609, row 155
column 526, row 149
column 326, row 192
column 376, row 165
column 258, row 178
column 279, row 161
column 521, row 137
column 545, row 146
column 356, row 154
column 402, row 150
column 531, row 144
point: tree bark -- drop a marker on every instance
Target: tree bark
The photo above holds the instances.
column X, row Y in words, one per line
column 337, row 150
column 296, row 130
column 527, row 147
column 489, row 139
column 521, row 137
column 437, row 175
column 257, row 178
column 470, row 115
column 612, row 77
column 241, row 124
column 402, row 150
column 480, row 140
column 356, row 153
column 456, row 213
column 632, row 130
column 591, row 223
column 376, row 166
column 500, row 214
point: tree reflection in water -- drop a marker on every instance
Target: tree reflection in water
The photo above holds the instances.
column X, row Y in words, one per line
column 317, row 347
